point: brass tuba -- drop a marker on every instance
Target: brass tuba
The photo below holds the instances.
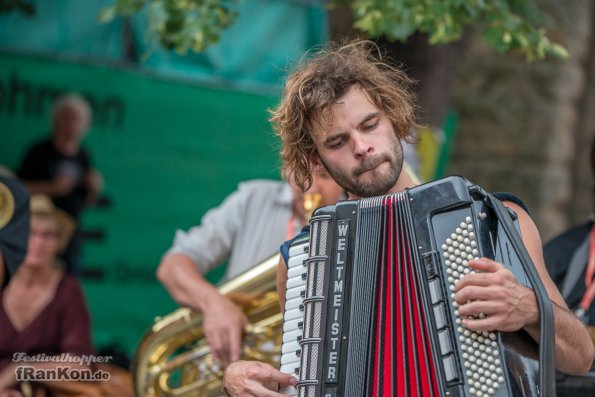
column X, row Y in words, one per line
column 173, row 358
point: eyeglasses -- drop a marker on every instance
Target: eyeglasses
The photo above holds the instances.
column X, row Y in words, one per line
column 45, row 235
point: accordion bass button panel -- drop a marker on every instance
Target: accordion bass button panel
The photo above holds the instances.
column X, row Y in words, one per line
column 294, row 312
column 480, row 356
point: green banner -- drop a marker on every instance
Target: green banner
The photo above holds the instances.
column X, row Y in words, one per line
column 168, row 152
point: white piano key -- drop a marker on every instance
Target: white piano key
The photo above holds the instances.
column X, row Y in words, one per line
column 300, row 256
column 290, row 368
column 297, row 261
column 292, row 325
column 296, row 271
column 290, row 358
column 294, row 282
column 288, row 391
column 293, row 303
column 292, row 336
column 293, row 314
column 295, row 293
column 298, row 248
column 290, row 347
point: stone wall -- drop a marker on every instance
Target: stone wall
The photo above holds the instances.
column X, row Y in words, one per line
column 527, row 127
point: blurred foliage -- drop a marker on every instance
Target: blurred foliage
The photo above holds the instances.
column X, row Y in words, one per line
column 505, row 24
column 25, row 7
column 179, row 25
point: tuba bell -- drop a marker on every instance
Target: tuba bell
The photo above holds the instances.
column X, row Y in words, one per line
column 173, row 358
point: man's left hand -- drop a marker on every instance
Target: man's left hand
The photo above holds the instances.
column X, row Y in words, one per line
column 256, row 379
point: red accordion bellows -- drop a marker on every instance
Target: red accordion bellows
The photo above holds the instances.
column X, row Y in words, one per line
column 404, row 366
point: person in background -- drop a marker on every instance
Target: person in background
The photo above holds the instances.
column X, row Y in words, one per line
column 246, row 229
column 570, row 261
column 61, row 168
column 42, row 309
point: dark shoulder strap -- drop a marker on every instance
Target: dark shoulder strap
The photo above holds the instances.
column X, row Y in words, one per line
column 547, row 347
column 505, row 196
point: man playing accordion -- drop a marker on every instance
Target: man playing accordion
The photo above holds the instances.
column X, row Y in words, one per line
column 347, row 109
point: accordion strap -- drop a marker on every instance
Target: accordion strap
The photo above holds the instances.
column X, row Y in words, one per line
column 547, row 348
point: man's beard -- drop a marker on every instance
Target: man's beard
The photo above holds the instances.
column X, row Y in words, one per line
column 373, row 185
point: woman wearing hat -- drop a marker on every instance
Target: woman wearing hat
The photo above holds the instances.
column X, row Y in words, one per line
column 43, row 310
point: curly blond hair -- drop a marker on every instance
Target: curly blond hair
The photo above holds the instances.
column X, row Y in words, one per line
column 319, row 82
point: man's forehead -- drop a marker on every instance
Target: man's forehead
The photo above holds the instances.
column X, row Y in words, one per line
column 353, row 108
column 321, row 125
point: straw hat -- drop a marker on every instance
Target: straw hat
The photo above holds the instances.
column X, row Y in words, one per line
column 42, row 205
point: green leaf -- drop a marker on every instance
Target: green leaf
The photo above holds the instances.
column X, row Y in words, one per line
column 558, row 51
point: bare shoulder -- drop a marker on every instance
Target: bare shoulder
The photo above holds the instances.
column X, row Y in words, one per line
column 529, row 230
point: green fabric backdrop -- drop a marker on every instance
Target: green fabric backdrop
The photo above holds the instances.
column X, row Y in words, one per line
column 168, row 152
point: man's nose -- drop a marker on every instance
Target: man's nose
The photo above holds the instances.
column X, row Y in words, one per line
column 361, row 146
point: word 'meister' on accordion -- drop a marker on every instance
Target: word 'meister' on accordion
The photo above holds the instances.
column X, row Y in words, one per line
column 371, row 311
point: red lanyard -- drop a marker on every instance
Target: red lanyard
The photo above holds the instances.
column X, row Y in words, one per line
column 589, row 273
column 290, row 231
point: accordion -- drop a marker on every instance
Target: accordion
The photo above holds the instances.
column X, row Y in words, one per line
column 370, row 307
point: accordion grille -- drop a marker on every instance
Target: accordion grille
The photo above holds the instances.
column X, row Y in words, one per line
column 313, row 307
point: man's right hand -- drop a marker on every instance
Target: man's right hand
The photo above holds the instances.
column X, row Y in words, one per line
column 224, row 325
